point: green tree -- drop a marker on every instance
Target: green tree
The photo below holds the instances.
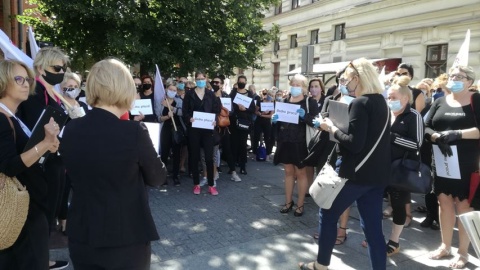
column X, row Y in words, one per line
column 180, row 36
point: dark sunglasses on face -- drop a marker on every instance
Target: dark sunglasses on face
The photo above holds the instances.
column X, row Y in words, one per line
column 57, row 68
column 21, row 80
column 401, row 74
column 215, row 82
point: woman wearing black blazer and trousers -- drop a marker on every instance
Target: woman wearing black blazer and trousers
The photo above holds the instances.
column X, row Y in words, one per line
column 110, row 162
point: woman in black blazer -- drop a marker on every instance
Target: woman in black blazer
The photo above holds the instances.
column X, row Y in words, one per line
column 110, row 162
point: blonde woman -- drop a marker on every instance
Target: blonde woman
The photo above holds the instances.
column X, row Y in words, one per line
column 291, row 144
column 366, row 185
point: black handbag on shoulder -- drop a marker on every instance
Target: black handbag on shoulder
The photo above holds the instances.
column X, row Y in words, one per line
column 243, row 124
column 411, row 175
column 180, row 135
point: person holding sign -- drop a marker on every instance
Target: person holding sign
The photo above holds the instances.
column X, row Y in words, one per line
column 203, row 101
column 452, row 126
column 292, row 146
column 30, row 250
column 263, row 123
column 146, row 93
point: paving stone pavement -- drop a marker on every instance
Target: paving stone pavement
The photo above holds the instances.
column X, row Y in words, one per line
column 241, row 228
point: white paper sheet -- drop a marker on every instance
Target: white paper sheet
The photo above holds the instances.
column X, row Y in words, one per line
column 227, row 103
column 287, row 112
column 142, row 105
column 267, row 106
column 447, row 167
column 242, row 100
column 203, row 120
column 154, row 132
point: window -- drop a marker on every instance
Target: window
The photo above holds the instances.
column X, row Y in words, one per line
column 313, row 1
column 291, row 67
column 278, row 9
column 316, row 60
column 436, row 62
column 314, row 37
column 339, row 32
column 293, row 41
column 295, row 4
column 276, row 74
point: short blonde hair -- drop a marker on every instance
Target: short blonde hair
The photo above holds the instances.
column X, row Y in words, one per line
column 468, row 70
column 110, row 83
column 400, row 84
column 46, row 56
column 302, row 80
column 6, row 75
column 70, row 76
column 367, row 75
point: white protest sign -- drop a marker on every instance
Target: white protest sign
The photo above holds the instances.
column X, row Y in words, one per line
column 267, row 106
column 242, row 100
column 227, row 103
column 203, row 120
column 287, row 112
column 154, row 132
column 143, row 106
column 447, row 167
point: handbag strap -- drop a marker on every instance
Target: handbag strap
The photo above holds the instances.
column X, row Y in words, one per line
column 308, row 107
column 375, row 146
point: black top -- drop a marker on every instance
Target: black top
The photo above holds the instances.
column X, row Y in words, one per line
column 110, row 162
column 289, row 132
column 367, row 117
column 249, row 112
column 11, row 163
column 151, row 118
column 407, row 134
column 209, row 104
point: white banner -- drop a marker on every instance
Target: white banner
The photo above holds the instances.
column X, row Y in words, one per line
column 143, row 106
column 462, row 56
column 447, row 167
column 242, row 100
column 267, row 106
column 12, row 52
column 287, row 112
column 203, row 120
column 227, row 103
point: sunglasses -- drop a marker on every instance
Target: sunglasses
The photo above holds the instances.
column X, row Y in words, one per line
column 21, row 80
column 215, row 82
column 57, row 68
column 401, row 74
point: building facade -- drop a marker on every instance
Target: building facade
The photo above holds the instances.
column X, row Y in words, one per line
column 424, row 33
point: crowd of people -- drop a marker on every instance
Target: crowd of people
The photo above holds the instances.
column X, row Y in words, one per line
column 107, row 218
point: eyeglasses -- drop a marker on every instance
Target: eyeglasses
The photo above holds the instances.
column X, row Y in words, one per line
column 458, row 76
column 21, row 80
column 356, row 70
column 401, row 74
column 343, row 81
column 215, row 82
column 57, row 68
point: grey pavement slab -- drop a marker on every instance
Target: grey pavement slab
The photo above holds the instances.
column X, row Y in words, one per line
column 242, row 228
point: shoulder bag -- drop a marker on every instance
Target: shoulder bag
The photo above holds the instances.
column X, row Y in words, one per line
column 411, row 175
column 14, row 200
column 328, row 184
column 310, row 130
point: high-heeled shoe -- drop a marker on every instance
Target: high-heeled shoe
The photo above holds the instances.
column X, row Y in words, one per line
column 287, row 207
column 298, row 214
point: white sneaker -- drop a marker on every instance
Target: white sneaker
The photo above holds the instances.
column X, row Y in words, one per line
column 235, row 177
column 203, row 182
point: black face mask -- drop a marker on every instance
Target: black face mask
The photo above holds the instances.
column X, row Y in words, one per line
column 146, row 86
column 215, row 87
column 53, row 78
column 189, row 89
column 241, row 85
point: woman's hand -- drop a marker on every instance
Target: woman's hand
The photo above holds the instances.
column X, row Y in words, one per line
column 51, row 132
column 192, row 120
column 170, row 114
column 326, row 125
column 139, row 117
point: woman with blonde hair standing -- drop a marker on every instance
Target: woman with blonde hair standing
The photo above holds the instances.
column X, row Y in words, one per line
column 291, row 144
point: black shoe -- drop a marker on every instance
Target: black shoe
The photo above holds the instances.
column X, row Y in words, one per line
column 176, row 182
column 435, row 226
column 287, row 207
column 59, row 265
column 307, row 195
column 298, row 214
column 427, row 222
column 243, row 171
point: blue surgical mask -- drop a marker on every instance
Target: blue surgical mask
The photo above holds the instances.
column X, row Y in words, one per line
column 455, row 86
column 343, row 89
column 201, row 83
column 181, row 86
column 295, row 91
column 279, row 99
column 395, row 105
column 348, row 99
column 171, row 94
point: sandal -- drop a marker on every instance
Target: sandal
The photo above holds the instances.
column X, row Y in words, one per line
column 408, row 221
column 439, row 253
column 312, row 266
column 287, row 207
column 392, row 248
column 341, row 238
column 298, row 214
column 364, row 243
column 459, row 262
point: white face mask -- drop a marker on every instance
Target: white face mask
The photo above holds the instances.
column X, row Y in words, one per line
column 71, row 92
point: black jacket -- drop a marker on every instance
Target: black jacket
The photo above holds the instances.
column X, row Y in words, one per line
column 367, row 117
column 110, row 162
column 407, row 133
column 211, row 104
column 249, row 112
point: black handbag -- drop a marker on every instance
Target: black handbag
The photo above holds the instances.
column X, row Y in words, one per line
column 411, row 175
column 243, row 124
column 179, row 135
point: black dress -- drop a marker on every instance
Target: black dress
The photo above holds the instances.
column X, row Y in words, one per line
column 443, row 117
column 291, row 143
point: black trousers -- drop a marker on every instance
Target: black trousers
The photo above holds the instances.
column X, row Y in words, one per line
column 63, row 210
column 55, row 174
column 30, row 251
column 201, row 138
column 134, row 257
column 398, row 200
column 227, row 153
column 167, row 144
column 239, row 146
column 262, row 125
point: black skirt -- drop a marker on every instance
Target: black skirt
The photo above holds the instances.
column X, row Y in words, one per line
column 291, row 153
